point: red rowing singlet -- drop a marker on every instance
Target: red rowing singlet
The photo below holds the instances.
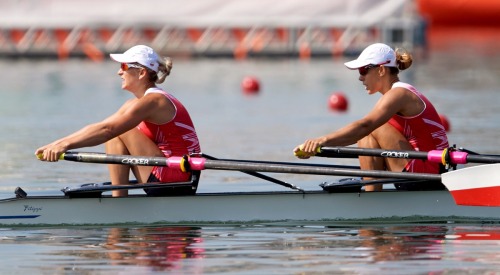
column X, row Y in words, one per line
column 424, row 132
column 175, row 138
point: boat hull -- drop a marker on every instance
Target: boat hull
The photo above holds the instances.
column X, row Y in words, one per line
column 396, row 206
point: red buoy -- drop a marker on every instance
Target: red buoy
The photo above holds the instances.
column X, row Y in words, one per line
column 445, row 122
column 250, row 85
column 338, row 102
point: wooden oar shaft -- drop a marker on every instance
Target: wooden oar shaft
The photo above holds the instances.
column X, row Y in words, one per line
column 455, row 157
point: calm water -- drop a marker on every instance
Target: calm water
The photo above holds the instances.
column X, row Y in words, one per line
column 254, row 249
column 44, row 100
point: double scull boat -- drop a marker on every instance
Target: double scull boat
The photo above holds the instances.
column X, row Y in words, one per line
column 241, row 207
column 473, row 195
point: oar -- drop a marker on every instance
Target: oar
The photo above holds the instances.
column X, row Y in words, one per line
column 440, row 156
column 264, row 177
column 96, row 158
column 482, row 182
column 199, row 163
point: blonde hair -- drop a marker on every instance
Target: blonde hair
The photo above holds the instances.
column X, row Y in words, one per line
column 403, row 59
column 164, row 69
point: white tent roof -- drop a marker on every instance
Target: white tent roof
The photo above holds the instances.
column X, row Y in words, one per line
column 198, row 13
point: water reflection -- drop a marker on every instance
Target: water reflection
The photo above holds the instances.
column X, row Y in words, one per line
column 255, row 249
column 161, row 248
column 403, row 243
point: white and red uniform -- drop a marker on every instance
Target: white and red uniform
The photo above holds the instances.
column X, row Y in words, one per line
column 175, row 138
column 424, row 132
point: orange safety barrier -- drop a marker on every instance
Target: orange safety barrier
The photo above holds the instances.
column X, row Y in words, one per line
column 240, row 52
column 149, row 34
column 92, row 52
column 16, row 35
column 105, row 34
column 239, row 34
column 194, row 34
column 60, row 34
column 304, row 51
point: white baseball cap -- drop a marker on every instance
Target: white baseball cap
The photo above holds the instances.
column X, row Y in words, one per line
column 375, row 54
column 141, row 54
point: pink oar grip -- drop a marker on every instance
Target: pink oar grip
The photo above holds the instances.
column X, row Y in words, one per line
column 197, row 163
column 194, row 163
column 455, row 157
column 175, row 162
column 459, row 157
column 435, row 156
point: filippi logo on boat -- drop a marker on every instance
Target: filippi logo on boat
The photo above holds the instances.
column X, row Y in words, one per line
column 135, row 161
column 394, row 154
column 33, row 209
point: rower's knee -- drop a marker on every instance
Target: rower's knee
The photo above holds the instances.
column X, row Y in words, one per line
column 115, row 146
column 368, row 141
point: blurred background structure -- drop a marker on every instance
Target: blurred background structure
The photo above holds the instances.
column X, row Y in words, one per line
column 239, row 29
column 232, row 28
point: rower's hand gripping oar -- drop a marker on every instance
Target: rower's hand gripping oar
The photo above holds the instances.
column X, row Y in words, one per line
column 300, row 153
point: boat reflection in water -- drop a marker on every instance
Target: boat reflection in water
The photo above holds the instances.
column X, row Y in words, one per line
column 290, row 247
column 160, row 248
column 404, row 243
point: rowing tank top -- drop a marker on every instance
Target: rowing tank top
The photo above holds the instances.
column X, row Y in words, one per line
column 424, row 131
column 175, row 138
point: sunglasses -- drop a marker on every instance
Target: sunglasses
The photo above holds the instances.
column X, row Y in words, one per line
column 364, row 70
column 126, row 66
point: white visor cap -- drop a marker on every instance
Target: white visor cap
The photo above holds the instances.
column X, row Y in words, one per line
column 376, row 54
column 141, row 54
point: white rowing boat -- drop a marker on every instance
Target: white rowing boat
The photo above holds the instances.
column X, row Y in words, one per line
column 389, row 205
column 474, row 195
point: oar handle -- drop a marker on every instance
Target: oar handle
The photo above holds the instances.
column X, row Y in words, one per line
column 301, row 154
column 439, row 156
column 40, row 156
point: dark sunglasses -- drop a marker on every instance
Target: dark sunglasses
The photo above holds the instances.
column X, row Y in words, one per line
column 126, row 66
column 364, row 70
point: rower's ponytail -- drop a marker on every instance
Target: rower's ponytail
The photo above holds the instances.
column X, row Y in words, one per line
column 164, row 68
column 403, row 59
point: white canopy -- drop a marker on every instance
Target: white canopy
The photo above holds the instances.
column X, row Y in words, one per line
column 201, row 13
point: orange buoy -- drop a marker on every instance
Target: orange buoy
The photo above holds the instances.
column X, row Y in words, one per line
column 250, row 85
column 338, row 101
column 445, row 122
